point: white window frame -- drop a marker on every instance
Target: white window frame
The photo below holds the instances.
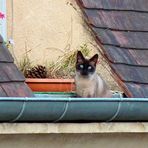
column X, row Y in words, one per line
column 3, row 23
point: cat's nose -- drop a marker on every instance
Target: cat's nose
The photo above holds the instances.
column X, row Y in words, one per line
column 84, row 73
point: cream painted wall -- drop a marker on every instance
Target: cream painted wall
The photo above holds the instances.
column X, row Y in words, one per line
column 75, row 141
column 42, row 25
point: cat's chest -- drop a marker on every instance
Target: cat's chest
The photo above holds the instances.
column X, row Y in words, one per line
column 85, row 83
column 85, row 88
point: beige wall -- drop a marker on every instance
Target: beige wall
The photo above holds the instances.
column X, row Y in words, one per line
column 74, row 135
column 42, row 27
column 75, row 141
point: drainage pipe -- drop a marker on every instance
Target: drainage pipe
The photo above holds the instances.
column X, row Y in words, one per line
column 45, row 109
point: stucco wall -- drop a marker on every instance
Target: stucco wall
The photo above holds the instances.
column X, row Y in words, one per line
column 44, row 27
column 74, row 141
column 74, row 135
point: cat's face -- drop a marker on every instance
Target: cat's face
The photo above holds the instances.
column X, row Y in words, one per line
column 86, row 67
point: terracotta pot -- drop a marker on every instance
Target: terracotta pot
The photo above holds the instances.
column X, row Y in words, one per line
column 51, row 85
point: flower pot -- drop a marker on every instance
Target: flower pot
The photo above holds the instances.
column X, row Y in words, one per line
column 51, row 85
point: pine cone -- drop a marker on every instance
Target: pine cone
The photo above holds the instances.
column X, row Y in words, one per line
column 38, row 71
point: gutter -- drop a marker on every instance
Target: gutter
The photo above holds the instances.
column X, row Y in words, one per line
column 67, row 109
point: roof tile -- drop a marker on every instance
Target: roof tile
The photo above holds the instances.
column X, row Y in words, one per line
column 2, row 92
column 125, row 39
column 120, row 27
column 126, row 56
column 118, row 21
column 12, row 81
column 132, row 5
column 1, row 39
column 5, row 55
column 15, row 89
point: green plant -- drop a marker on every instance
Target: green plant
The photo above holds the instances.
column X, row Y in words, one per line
column 7, row 44
column 65, row 66
column 24, row 65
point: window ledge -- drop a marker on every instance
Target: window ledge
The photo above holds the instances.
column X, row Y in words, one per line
column 47, row 128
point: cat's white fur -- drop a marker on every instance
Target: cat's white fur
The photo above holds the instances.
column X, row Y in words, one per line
column 91, row 86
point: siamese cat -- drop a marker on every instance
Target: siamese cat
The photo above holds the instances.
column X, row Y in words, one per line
column 88, row 83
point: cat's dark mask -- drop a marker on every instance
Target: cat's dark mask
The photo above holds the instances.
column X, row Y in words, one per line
column 86, row 66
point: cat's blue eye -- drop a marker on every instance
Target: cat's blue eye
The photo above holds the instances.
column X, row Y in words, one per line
column 89, row 67
column 81, row 66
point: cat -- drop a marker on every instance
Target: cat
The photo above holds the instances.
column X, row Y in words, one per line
column 88, row 83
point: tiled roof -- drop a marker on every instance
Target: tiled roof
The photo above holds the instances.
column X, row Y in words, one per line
column 120, row 27
column 12, row 81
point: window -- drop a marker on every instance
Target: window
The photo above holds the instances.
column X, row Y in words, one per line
column 3, row 25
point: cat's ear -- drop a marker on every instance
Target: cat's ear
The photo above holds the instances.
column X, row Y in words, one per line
column 94, row 60
column 80, row 57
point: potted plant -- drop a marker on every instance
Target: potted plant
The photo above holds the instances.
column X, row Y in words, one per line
column 50, row 85
column 39, row 80
column 57, row 77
